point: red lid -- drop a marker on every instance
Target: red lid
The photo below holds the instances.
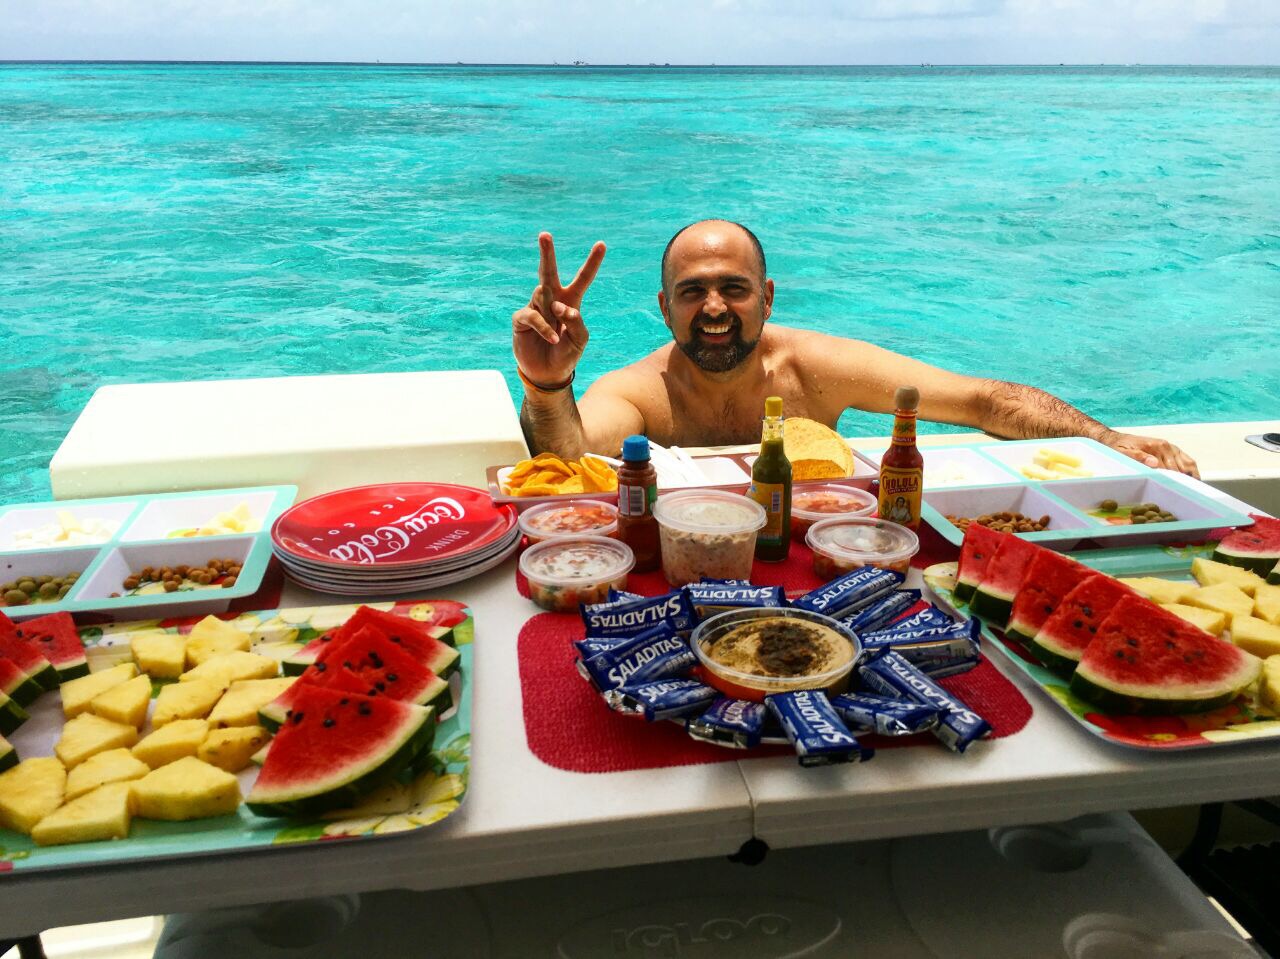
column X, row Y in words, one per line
column 392, row 524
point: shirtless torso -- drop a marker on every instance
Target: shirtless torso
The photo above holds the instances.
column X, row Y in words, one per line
column 707, row 387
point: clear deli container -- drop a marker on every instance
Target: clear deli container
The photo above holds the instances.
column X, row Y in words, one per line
column 813, row 504
column 581, row 517
column 707, row 534
column 565, row 573
column 835, row 653
column 842, row 544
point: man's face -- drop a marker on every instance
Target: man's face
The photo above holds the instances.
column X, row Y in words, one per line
column 715, row 300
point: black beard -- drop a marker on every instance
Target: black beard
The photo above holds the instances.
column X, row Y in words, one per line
column 718, row 359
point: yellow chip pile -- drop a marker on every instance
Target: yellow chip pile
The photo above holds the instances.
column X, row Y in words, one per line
column 548, row 475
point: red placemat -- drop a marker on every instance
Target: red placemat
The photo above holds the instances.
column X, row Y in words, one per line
column 794, row 574
column 568, row 726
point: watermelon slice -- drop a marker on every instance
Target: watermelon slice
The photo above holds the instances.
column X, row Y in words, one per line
column 1255, row 548
column 17, row 685
column 368, row 664
column 993, row 599
column 26, row 657
column 1071, row 627
column 56, row 637
column 11, row 715
column 1145, row 659
column 421, row 640
column 1050, row 577
column 334, row 748
column 442, row 616
column 980, row 544
column 8, row 755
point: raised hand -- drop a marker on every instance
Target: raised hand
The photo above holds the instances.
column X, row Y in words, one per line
column 548, row 335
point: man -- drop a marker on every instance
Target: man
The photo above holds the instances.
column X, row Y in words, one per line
column 708, row 387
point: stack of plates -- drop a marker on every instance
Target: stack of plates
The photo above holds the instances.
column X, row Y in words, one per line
column 393, row 538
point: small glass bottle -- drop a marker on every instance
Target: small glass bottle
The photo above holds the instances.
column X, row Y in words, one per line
column 771, row 487
column 637, row 492
column 902, row 467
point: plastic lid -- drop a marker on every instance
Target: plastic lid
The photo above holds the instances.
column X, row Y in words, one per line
column 862, row 540
column 635, row 449
column 822, row 502
column 773, row 406
column 577, row 561
column 579, row 517
column 709, row 511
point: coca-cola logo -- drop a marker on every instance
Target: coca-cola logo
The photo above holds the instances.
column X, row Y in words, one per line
column 396, row 535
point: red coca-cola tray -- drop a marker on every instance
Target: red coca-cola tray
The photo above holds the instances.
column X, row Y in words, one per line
column 392, row 525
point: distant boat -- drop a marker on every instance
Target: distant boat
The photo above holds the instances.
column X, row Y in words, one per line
column 580, row 63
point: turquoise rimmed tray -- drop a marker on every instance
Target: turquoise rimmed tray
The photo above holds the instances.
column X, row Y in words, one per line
column 1243, row 721
column 399, row 807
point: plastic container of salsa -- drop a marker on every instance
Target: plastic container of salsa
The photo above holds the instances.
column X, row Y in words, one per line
column 813, row 504
column 842, row 544
column 579, row 517
column 707, row 534
column 750, row 653
column 564, row 573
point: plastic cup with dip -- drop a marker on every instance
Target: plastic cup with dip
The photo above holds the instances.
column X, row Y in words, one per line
column 565, row 573
column 842, row 544
column 579, row 517
column 750, row 653
column 707, row 534
column 813, row 504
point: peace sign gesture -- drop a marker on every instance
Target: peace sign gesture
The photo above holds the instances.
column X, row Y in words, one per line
column 548, row 335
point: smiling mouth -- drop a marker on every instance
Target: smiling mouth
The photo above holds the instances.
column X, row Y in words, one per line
column 715, row 332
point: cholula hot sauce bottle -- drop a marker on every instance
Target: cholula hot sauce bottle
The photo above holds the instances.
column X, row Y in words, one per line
column 902, row 467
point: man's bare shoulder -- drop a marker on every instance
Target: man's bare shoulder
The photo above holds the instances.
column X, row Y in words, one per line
column 637, row 381
column 813, row 350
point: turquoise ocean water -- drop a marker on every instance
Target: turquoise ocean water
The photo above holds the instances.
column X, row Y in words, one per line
column 1111, row 234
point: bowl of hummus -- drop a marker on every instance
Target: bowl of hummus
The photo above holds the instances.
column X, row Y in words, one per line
column 750, row 653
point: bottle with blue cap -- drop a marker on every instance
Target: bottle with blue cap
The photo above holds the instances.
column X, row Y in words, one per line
column 637, row 492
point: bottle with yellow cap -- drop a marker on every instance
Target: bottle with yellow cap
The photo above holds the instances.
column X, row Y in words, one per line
column 771, row 487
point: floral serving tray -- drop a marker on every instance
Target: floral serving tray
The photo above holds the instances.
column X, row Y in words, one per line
column 398, row 807
column 1245, row 720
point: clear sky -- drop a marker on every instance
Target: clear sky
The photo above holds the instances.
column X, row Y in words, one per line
column 641, row 31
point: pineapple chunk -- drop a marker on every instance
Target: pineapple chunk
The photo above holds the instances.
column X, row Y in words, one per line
column 226, row 668
column 126, row 703
column 1057, row 456
column 1266, row 603
column 77, row 694
column 186, row 789
column 1209, row 573
column 191, row 700
column 1162, row 591
column 1257, row 636
column 231, row 748
column 87, row 735
column 240, row 704
column 1222, row 598
column 168, row 744
column 211, row 637
column 30, row 791
column 1209, row 620
column 104, row 813
column 160, row 655
column 112, row 766
column 1270, row 690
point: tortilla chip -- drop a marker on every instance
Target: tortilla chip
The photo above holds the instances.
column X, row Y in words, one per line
column 815, row 451
column 537, row 489
column 597, row 476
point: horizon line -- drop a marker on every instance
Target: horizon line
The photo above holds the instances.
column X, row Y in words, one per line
column 587, row 64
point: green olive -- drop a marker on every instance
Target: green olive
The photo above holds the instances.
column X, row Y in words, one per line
column 63, row 590
column 1108, row 506
column 16, row 597
column 27, row 585
column 48, row 590
column 1138, row 519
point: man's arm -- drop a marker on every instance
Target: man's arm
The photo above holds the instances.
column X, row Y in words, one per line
column 868, row 375
column 553, row 421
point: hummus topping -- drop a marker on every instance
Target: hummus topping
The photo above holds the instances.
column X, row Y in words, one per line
column 780, row 647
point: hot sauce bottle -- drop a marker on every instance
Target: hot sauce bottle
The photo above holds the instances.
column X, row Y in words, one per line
column 902, row 467
column 771, row 487
column 637, row 492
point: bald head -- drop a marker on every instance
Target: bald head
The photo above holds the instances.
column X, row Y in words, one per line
column 715, row 237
